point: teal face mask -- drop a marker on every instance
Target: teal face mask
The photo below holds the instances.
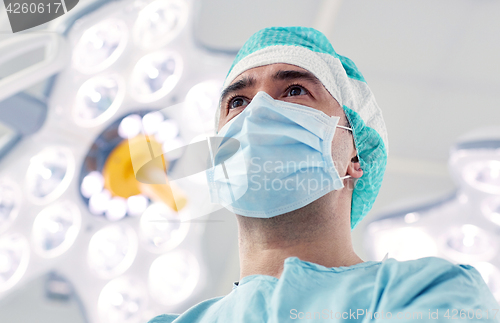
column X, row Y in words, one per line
column 284, row 161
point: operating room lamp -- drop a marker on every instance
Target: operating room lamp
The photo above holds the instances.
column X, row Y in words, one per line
column 130, row 78
column 463, row 227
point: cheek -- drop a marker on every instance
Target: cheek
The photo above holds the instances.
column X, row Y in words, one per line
column 222, row 121
column 341, row 145
column 331, row 107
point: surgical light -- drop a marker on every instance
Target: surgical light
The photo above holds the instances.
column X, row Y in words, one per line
column 161, row 228
column 457, row 227
column 14, row 258
column 55, row 229
column 169, row 148
column 155, row 75
column 491, row 209
column 92, row 183
column 122, row 300
column 201, row 104
column 100, row 46
column 98, row 99
column 173, row 277
column 167, row 130
column 10, row 202
column 198, row 178
column 160, row 22
column 110, row 182
column 401, row 243
column 151, row 122
column 98, row 202
column 137, row 204
column 112, row 250
column 50, row 173
column 484, row 175
column 130, row 126
column 469, row 243
column 127, row 61
column 411, row 217
column 117, row 209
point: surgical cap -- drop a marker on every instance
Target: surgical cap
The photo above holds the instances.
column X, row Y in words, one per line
column 310, row 49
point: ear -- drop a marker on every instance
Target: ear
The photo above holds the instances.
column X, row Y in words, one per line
column 354, row 168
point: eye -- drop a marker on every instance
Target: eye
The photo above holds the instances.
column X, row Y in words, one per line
column 237, row 102
column 296, row 90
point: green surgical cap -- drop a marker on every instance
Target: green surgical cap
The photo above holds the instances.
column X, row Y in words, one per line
column 311, row 50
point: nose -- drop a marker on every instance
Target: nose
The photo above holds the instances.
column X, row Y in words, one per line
column 269, row 87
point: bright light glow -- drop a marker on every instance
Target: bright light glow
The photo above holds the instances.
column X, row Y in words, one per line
column 201, row 103
column 469, row 243
column 411, row 217
column 462, row 198
column 98, row 99
column 137, row 204
column 112, row 250
column 117, row 209
column 92, row 183
column 161, row 228
column 201, row 177
column 491, row 276
column 152, row 121
column 155, row 75
column 10, row 202
column 130, row 126
column 167, row 130
column 173, row 277
column 483, row 175
column 122, row 300
column 55, row 229
column 14, row 258
column 160, row 22
column 401, row 243
column 491, row 209
column 100, row 46
column 50, row 173
column 98, row 203
column 169, row 148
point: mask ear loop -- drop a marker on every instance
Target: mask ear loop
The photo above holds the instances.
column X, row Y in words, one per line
column 346, row 128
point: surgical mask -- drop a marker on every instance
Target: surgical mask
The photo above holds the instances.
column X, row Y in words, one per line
column 283, row 161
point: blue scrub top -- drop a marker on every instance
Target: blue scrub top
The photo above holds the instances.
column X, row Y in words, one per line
column 425, row 290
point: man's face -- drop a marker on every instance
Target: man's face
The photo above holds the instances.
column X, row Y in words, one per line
column 293, row 84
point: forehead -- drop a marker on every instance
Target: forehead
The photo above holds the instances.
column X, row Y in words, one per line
column 267, row 71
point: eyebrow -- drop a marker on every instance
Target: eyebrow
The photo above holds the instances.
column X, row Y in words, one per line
column 293, row 74
column 282, row 75
column 238, row 86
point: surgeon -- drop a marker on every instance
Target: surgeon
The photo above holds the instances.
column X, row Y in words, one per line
column 312, row 154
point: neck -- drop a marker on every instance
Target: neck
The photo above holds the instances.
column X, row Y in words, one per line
column 319, row 232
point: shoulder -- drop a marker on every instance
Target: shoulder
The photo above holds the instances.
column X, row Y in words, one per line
column 429, row 271
column 164, row 318
column 193, row 314
column 431, row 267
column 433, row 282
